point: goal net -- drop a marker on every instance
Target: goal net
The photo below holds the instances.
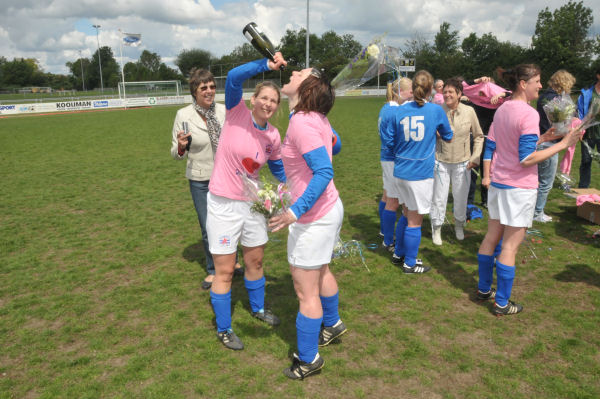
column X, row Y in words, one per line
column 150, row 89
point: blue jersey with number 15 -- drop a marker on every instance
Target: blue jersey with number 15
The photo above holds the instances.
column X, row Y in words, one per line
column 411, row 135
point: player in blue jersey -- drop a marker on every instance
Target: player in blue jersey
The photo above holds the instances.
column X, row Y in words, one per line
column 411, row 135
column 398, row 92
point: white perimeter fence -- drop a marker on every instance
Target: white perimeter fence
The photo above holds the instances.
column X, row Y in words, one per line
column 99, row 104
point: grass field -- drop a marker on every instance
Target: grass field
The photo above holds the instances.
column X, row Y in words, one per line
column 101, row 265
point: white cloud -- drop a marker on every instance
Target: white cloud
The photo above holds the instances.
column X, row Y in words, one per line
column 46, row 29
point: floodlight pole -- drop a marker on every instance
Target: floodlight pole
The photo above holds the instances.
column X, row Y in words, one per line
column 82, row 77
column 122, row 68
column 99, row 58
column 307, row 35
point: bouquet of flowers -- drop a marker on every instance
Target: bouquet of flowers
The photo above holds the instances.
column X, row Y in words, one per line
column 560, row 110
column 267, row 199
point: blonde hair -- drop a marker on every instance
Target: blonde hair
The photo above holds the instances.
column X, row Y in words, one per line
column 422, row 84
column 391, row 93
column 393, row 89
column 561, row 81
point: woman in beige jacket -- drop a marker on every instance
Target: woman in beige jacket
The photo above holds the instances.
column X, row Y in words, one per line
column 204, row 119
column 453, row 161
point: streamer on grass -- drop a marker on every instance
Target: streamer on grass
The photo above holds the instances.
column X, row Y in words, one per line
column 344, row 249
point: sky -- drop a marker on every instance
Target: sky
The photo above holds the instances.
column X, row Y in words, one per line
column 57, row 31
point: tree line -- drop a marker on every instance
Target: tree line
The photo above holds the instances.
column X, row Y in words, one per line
column 561, row 40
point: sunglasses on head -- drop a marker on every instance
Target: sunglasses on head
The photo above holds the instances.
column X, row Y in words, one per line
column 316, row 73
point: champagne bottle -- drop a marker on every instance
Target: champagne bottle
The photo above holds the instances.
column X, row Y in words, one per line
column 260, row 41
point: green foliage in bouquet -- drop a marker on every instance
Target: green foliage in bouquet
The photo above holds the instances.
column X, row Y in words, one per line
column 271, row 199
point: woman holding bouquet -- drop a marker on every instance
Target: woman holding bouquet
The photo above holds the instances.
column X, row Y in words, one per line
column 247, row 142
column 560, row 82
column 512, row 183
column 315, row 218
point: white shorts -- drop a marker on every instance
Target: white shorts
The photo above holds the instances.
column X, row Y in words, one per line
column 310, row 245
column 227, row 220
column 416, row 195
column 513, row 206
column 388, row 179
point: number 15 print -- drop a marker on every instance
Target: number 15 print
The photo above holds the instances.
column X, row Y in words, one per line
column 414, row 129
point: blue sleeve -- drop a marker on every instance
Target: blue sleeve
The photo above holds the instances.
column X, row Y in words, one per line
column 581, row 106
column 318, row 161
column 386, row 132
column 527, row 145
column 490, row 148
column 237, row 76
column 337, row 143
column 276, row 168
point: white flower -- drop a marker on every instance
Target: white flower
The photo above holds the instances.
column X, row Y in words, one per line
column 373, row 51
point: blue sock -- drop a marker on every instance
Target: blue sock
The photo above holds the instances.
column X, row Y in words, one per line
column 256, row 293
column 400, row 230
column 486, row 272
column 412, row 241
column 505, row 276
column 389, row 220
column 381, row 208
column 222, row 308
column 498, row 249
column 307, row 336
column 330, row 309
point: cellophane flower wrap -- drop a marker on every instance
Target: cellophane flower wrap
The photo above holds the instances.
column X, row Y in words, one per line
column 560, row 111
column 268, row 199
column 592, row 117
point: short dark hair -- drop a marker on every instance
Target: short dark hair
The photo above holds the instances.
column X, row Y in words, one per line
column 197, row 77
column 315, row 94
column 456, row 83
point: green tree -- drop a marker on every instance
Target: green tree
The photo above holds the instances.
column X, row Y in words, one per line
column 422, row 51
column 193, row 58
column 110, row 69
column 18, row 72
column 561, row 40
column 2, row 62
column 167, row 73
column 332, row 52
column 149, row 65
column 482, row 55
column 75, row 68
column 446, row 41
column 293, row 48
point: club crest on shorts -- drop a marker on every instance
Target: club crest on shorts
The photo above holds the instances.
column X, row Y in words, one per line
column 225, row 241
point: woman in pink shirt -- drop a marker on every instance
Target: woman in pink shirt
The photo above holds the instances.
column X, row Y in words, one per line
column 512, row 183
column 315, row 218
column 248, row 141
